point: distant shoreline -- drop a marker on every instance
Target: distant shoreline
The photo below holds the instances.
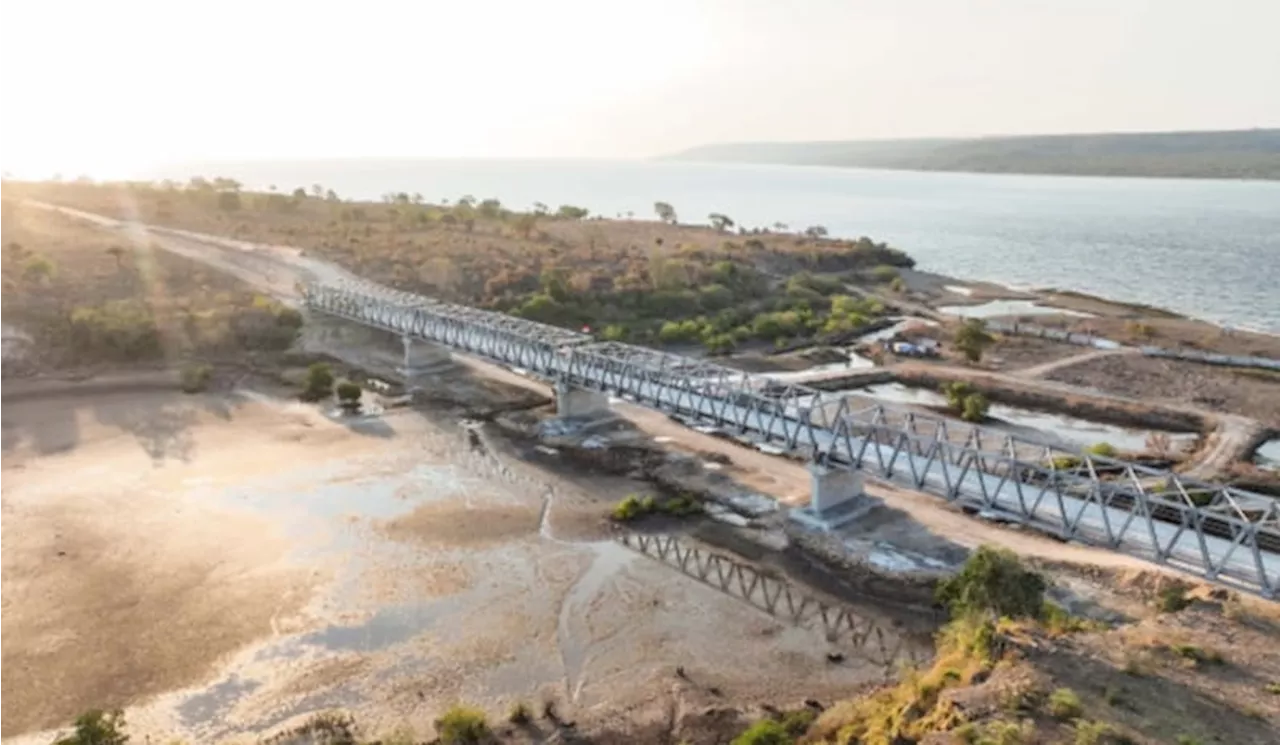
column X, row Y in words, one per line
column 1269, row 179
column 1242, row 155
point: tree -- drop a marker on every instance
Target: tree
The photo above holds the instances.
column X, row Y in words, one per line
column 349, row 395
column 540, row 209
column 331, row 196
column 569, row 212
column 993, row 581
column 975, row 408
column 97, row 728
column 490, row 208
column 816, row 231
column 665, row 212
column 972, row 339
column 299, row 193
column 319, row 382
column 720, row 222
column 317, row 191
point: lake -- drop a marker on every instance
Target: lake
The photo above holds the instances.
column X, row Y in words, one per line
column 1209, row 249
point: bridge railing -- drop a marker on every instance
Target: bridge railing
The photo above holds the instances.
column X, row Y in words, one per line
column 1213, row 530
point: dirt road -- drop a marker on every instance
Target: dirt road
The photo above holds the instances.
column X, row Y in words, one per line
column 1039, row 371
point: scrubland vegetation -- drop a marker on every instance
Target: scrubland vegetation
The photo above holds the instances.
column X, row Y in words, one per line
column 648, row 281
column 75, row 296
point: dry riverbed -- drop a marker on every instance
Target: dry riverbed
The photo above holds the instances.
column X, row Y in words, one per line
column 227, row 564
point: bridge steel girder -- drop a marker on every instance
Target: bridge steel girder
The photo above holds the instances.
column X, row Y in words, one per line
column 1218, row 532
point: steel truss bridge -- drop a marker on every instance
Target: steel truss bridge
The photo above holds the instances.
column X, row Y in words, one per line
column 1215, row 531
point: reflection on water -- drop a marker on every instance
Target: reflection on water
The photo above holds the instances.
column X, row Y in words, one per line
column 1268, row 455
column 1064, row 431
column 209, row 704
column 387, row 627
column 995, row 308
column 892, row 331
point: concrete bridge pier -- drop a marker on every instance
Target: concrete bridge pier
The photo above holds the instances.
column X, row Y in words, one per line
column 422, row 358
column 575, row 403
column 836, row 497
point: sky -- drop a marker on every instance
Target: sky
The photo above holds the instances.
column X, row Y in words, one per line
column 112, row 88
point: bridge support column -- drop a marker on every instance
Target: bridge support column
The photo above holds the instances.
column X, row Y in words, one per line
column 422, row 358
column 575, row 403
column 836, row 497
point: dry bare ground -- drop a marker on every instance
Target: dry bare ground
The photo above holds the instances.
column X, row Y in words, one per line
column 114, row 590
column 1251, row 393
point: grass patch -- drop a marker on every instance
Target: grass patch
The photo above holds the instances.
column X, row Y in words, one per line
column 1172, row 598
column 1091, row 733
column 196, row 377
column 520, row 713
column 462, row 725
column 1197, row 656
column 765, row 732
column 1058, row 622
column 633, row 507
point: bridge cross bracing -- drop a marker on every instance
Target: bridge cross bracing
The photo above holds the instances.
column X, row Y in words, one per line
column 1215, row 531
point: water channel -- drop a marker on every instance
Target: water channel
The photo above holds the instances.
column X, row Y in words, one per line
column 1057, row 429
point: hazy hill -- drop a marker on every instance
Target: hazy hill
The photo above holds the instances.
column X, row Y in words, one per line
column 1243, row 154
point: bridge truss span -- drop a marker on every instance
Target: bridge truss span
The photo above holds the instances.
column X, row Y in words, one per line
column 1215, row 531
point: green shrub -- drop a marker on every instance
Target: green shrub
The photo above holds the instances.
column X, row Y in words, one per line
column 975, row 408
column 195, row 378
column 1172, row 598
column 884, row 273
column 797, row 722
column 349, row 394
column 994, row 581
column 956, row 393
column 1064, row 704
column 1091, row 733
column 764, row 732
column 632, row 507
column 462, row 725
column 972, row 339
column 1102, row 449
column 319, row 383
column 97, row 728
column 520, row 713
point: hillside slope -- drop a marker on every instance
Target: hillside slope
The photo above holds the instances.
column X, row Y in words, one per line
column 1242, row 154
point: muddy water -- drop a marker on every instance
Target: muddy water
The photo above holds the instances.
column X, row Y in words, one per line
column 1268, row 455
column 1060, row 429
column 440, row 572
